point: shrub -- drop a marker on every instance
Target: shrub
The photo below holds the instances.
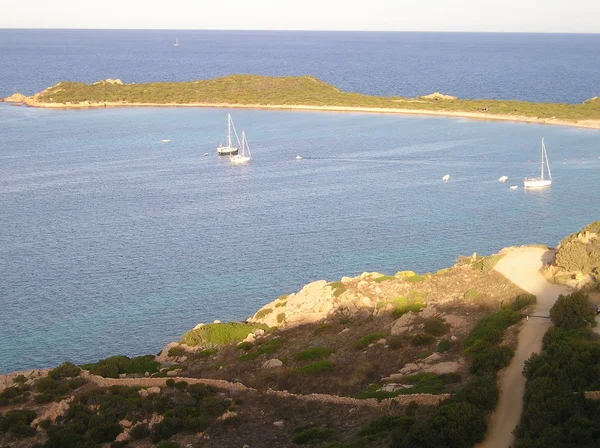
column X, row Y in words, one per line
column 572, row 311
column 313, row 354
column 486, row 264
column 490, row 329
column 314, row 368
column 280, row 304
column 207, row 352
column 415, row 278
column 176, row 351
column 435, row 326
column 263, row 313
column 422, row 339
column 244, row 346
column 384, row 425
column 338, row 288
column 471, row 294
column 384, row 278
column 444, row 345
column 140, row 431
column 395, row 342
column 20, row 379
column 323, row 328
column 65, row 370
column 305, row 435
column 523, row 301
column 115, row 365
column 365, row 341
column 219, row 334
column 579, row 256
column 280, row 318
column 403, row 306
column 491, row 359
column 405, row 274
column 16, row 422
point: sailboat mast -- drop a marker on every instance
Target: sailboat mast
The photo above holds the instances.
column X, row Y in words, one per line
column 547, row 163
column 542, row 163
column 229, row 130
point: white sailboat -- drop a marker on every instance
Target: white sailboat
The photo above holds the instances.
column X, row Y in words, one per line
column 540, row 182
column 176, row 44
column 229, row 150
column 245, row 156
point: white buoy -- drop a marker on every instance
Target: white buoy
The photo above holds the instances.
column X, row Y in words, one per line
column 514, row 187
column 503, row 179
column 298, row 157
column 446, row 178
column 205, row 154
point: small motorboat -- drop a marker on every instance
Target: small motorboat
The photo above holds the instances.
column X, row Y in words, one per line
column 205, row 154
column 298, row 157
column 446, row 178
column 165, row 141
column 503, row 179
column 514, row 187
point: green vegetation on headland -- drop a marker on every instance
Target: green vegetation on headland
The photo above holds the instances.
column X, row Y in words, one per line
column 304, row 91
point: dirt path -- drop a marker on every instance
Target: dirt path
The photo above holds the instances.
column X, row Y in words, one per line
column 521, row 266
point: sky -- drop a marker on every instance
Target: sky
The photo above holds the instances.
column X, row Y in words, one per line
column 554, row 16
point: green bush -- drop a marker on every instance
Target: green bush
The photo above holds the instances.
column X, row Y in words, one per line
column 572, row 311
column 365, row 341
column 309, row 434
column 486, row 264
column 244, row 346
column 206, row 353
column 435, row 326
column 383, row 426
column 338, row 288
column 422, row 339
column 444, row 345
column 395, row 342
column 176, row 351
column 219, row 334
column 314, row 368
column 313, row 354
column 384, row 278
column 65, row 370
column 263, row 313
column 523, row 301
column 16, row 422
column 280, row 318
column 323, row 328
column 415, row 278
column 140, row 431
column 280, row 304
column 115, row 365
column 471, row 294
column 403, row 308
column 580, row 252
column 490, row 359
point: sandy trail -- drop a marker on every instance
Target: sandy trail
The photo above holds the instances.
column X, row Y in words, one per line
column 522, row 267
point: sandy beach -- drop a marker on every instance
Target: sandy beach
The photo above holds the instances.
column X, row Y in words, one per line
column 589, row 124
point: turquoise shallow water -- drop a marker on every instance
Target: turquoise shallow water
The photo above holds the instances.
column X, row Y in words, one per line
column 112, row 242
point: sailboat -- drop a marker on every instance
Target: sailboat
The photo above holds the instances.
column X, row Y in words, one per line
column 176, row 44
column 228, row 150
column 540, row 182
column 244, row 157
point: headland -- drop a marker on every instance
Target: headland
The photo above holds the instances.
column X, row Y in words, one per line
column 301, row 93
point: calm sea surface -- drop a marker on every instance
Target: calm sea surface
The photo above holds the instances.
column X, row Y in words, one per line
column 535, row 67
column 113, row 243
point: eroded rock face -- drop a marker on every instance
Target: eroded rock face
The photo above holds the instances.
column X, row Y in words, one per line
column 30, row 375
column 444, row 367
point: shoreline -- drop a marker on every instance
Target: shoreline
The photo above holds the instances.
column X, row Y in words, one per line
column 588, row 124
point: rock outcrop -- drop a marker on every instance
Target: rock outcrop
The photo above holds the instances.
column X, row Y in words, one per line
column 15, row 98
column 438, row 96
column 109, row 81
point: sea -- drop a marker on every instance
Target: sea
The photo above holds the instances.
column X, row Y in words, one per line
column 112, row 242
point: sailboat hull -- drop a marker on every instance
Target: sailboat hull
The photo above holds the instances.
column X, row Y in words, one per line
column 536, row 183
column 226, row 151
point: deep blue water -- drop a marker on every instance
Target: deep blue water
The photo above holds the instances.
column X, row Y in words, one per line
column 535, row 67
column 112, row 242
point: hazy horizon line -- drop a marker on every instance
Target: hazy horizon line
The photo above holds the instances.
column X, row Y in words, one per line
column 299, row 30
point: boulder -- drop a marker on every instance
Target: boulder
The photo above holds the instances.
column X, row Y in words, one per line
column 153, row 390
column 409, row 368
column 444, row 367
column 458, row 323
column 258, row 332
column 172, row 373
column 272, row 363
column 123, row 437
column 428, row 312
column 278, row 423
column 434, row 357
column 401, row 325
column 396, row 376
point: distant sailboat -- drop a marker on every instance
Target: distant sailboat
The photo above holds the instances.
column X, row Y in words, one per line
column 228, row 150
column 176, row 44
column 540, row 182
column 245, row 156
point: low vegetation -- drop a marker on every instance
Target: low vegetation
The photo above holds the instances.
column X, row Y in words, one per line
column 211, row 335
column 313, row 354
column 302, row 90
column 573, row 311
column 580, row 252
column 116, row 365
